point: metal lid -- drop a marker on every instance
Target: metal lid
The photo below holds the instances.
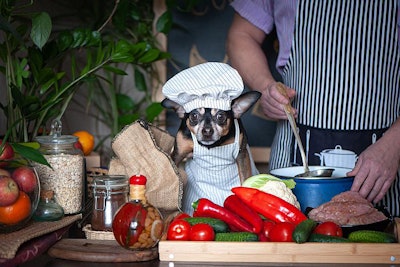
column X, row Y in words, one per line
column 109, row 181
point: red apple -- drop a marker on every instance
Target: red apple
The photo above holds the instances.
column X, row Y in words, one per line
column 25, row 177
column 9, row 191
column 6, row 154
column 78, row 145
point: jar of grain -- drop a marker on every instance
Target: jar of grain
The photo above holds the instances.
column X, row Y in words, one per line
column 66, row 177
column 109, row 193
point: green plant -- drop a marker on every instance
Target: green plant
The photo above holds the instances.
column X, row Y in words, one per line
column 39, row 85
column 123, row 96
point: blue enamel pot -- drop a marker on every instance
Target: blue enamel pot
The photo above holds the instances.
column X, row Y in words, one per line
column 314, row 191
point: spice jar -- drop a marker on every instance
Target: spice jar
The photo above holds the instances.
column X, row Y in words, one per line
column 66, row 177
column 109, row 193
column 48, row 209
column 137, row 224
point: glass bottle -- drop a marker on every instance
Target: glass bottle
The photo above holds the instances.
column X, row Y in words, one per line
column 109, row 193
column 66, row 177
column 137, row 224
column 48, row 209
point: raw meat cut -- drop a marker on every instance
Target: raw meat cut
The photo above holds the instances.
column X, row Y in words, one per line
column 347, row 208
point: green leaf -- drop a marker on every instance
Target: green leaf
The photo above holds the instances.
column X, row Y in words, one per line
column 41, row 29
column 117, row 71
column 153, row 110
column 260, row 180
column 124, row 102
column 150, row 56
column 140, row 81
column 65, row 40
column 164, row 22
column 30, row 153
column 127, row 119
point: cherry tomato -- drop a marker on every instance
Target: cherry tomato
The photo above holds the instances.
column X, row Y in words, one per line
column 179, row 230
column 329, row 228
column 202, row 232
column 181, row 215
column 267, row 226
column 282, row 232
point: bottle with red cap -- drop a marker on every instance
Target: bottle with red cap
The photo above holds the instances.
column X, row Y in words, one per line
column 137, row 225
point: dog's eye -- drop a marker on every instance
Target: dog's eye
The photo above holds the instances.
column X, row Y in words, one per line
column 194, row 117
column 220, row 118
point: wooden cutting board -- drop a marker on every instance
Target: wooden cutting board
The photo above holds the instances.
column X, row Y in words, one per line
column 98, row 251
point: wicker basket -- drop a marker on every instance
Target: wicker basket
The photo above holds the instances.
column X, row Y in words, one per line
column 97, row 235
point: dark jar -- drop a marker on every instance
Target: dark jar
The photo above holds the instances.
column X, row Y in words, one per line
column 109, row 193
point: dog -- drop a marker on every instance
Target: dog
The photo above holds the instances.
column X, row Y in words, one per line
column 212, row 128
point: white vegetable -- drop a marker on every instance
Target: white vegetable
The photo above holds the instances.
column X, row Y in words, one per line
column 279, row 189
column 274, row 186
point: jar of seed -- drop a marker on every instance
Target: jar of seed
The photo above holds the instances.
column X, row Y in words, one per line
column 66, row 176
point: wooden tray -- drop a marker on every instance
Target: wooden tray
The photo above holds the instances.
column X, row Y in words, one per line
column 98, row 251
column 279, row 252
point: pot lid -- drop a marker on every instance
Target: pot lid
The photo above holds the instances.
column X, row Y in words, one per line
column 338, row 150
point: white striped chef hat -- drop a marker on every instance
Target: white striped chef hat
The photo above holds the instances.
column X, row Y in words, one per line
column 209, row 85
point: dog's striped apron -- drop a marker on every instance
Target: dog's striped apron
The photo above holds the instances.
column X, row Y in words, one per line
column 211, row 172
column 342, row 96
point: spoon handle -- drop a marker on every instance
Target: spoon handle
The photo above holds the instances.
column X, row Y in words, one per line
column 292, row 122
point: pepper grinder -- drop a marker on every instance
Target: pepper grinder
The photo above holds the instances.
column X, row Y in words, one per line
column 137, row 225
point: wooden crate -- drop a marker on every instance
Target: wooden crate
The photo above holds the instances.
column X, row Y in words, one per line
column 279, row 252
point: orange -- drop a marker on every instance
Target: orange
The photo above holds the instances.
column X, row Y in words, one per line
column 16, row 212
column 87, row 141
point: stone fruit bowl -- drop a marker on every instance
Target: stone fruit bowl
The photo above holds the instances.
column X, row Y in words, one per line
column 19, row 196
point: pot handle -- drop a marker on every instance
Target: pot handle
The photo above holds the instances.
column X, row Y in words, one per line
column 338, row 147
column 321, row 158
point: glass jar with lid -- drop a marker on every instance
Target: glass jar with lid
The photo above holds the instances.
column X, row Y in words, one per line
column 66, row 177
column 109, row 193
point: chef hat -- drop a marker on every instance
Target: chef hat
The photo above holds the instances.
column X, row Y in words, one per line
column 209, row 85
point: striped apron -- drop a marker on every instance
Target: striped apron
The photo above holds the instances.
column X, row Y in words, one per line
column 212, row 172
column 344, row 98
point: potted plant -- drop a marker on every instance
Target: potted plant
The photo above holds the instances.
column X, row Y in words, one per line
column 39, row 86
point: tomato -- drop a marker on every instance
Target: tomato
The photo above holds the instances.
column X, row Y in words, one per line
column 267, row 226
column 202, row 232
column 329, row 228
column 179, row 230
column 16, row 212
column 181, row 215
column 282, row 232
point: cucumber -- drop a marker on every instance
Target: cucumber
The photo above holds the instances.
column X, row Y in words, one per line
column 371, row 236
column 236, row 237
column 303, row 230
column 327, row 238
column 218, row 225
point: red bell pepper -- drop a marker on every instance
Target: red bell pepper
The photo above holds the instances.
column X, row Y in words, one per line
column 270, row 206
column 236, row 205
column 206, row 208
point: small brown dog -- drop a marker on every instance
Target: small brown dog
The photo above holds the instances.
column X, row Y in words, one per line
column 208, row 98
column 213, row 127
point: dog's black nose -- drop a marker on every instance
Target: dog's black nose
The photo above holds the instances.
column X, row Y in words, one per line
column 207, row 131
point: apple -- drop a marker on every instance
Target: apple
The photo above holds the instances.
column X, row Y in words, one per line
column 6, row 154
column 26, row 179
column 9, row 191
column 78, row 145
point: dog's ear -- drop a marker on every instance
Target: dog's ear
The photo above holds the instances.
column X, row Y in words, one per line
column 169, row 104
column 241, row 104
